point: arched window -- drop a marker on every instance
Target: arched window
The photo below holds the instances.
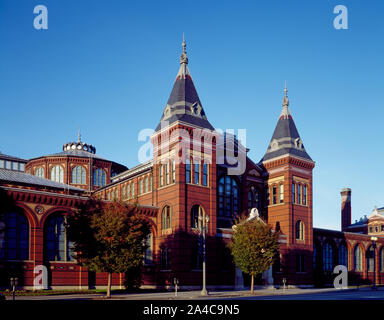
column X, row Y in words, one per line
column 166, row 218
column 14, row 242
column 299, row 230
column 327, row 257
column 370, row 258
column 343, row 255
column 228, row 197
column 57, row 245
column 358, row 258
column 250, row 199
column 140, row 186
column 196, row 211
column 173, row 179
column 99, row 178
column 133, row 190
column 39, row 172
column 166, row 169
column 57, row 174
column 78, row 175
column 187, row 170
column 148, row 254
column 381, row 259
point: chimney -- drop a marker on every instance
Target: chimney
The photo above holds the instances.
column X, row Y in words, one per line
column 346, row 211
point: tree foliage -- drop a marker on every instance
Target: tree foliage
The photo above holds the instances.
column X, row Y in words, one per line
column 254, row 246
column 108, row 236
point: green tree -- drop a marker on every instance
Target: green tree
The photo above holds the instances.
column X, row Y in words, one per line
column 108, row 237
column 254, row 246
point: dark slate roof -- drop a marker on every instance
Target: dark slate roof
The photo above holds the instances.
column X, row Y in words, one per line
column 24, row 178
column 8, row 157
column 184, row 103
column 286, row 139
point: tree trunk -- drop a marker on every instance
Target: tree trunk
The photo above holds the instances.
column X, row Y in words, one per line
column 252, row 282
column 109, row 284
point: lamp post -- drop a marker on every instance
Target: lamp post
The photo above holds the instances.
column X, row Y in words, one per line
column 374, row 239
column 203, row 226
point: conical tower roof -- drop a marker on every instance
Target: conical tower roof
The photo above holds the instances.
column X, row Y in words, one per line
column 286, row 139
column 184, row 104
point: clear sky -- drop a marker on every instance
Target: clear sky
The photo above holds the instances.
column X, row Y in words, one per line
column 108, row 67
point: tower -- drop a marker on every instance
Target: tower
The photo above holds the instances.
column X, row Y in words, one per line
column 289, row 198
column 184, row 174
column 346, row 210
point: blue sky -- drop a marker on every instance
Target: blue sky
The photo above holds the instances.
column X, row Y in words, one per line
column 109, row 66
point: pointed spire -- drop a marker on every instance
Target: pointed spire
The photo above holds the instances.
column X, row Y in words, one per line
column 183, row 57
column 79, row 136
column 285, row 113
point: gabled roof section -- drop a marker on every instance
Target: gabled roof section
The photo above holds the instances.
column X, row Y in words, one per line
column 184, row 104
column 286, row 139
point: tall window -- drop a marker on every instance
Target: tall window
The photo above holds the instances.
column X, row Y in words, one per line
column 57, row 174
column 187, row 170
column 146, row 184
column 39, row 172
column 228, row 194
column 371, row 259
column 14, row 244
column 358, row 258
column 300, row 262
column 267, row 195
column 166, row 218
column 299, row 194
column 123, row 192
column 57, row 245
column 148, row 254
column 161, row 175
column 328, row 257
column 150, row 182
column 274, row 195
column 305, row 195
column 197, row 173
column 250, row 199
column 299, row 230
column 293, row 193
column 166, row 168
column 205, row 174
column 99, row 178
column 128, row 191
column 140, row 186
column 78, row 175
column 173, row 171
column 281, row 193
column 343, row 255
column 381, row 259
column 165, row 261
column 196, row 211
column 133, row 190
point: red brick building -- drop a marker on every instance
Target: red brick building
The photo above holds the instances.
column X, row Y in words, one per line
column 195, row 172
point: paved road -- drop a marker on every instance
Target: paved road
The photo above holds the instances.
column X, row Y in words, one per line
column 265, row 294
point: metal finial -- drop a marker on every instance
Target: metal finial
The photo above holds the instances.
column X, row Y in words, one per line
column 79, row 136
column 183, row 57
column 285, row 100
